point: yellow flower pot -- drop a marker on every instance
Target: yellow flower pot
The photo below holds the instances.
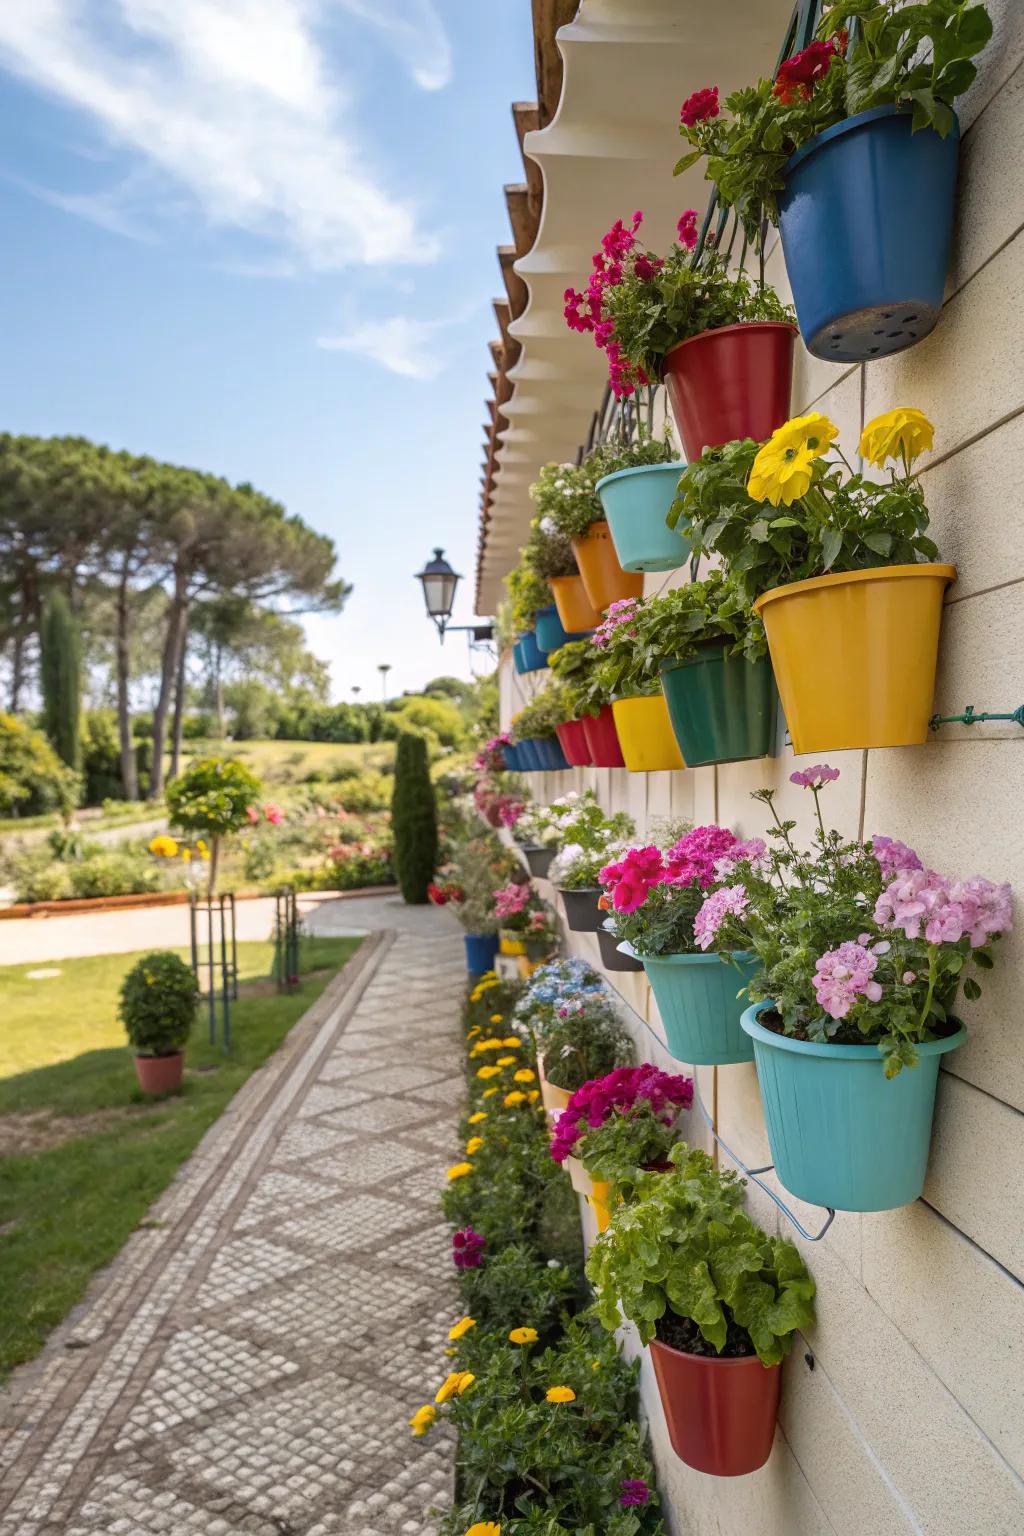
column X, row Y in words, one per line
column 646, row 736
column 576, row 611
column 508, row 945
column 596, row 1191
column 527, row 966
column 554, row 1099
column 854, row 655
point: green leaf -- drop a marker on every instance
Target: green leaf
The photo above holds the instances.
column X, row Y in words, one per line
column 831, row 544
column 687, row 160
column 881, row 543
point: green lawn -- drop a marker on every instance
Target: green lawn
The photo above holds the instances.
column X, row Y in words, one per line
column 288, row 762
column 88, row 1154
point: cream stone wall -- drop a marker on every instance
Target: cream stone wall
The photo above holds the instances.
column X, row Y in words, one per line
column 903, row 1409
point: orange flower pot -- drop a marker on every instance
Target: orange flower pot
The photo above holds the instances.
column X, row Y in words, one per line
column 554, row 1099
column 575, row 609
column 594, row 1191
column 603, row 577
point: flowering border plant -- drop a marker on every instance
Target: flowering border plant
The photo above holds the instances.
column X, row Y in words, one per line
column 638, row 305
column 620, row 1124
column 858, row 942
column 867, row 53
column 784, row 512
column 654, row 897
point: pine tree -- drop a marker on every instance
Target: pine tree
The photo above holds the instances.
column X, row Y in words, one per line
column 413, row 819
column 61, row 676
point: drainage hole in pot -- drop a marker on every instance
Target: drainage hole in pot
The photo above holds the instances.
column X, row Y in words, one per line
column 879, row 332
column 907, row 319
column 895, row 333
column 873, row 350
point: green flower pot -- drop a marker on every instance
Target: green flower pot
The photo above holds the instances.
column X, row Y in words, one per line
column 696, row 997
column 841, row 1134
column 722, row 707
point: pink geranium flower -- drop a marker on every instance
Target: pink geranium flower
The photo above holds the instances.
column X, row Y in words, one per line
column 702, row 104
column 843, row 975
column 814, row 778
column 728, row 900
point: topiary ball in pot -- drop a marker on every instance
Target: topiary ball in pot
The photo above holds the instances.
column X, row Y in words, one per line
column 158, row 1006
column 413, row 819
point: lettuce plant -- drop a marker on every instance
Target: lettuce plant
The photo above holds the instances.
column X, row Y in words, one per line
column 684, row 1246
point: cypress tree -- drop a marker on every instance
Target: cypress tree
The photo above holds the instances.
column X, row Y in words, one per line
column 61, row 676
column 413, row 819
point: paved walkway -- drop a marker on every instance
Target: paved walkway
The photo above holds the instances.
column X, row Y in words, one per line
column 250, row 1360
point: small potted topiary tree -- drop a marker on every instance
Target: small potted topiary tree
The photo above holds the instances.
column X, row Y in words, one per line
column 212, row 798
column 158, row 1004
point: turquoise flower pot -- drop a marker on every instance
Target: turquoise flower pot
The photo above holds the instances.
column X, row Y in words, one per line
column 840, row 1134
column 696, row 997
column 636, row 502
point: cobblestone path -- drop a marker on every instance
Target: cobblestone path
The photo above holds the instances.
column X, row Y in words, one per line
column 250, row 1360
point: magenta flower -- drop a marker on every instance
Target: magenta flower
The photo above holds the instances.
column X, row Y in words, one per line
column 686, row 229
column 628, row 881
column 634, row 1492
column 511, row 899
column 700, row 106
column 273, row 813
column 467, row 1248
column 617, row 1093
column 893, row 855
column 842, row 976
column 691, row 861
column 729, row 900
column 814, row 778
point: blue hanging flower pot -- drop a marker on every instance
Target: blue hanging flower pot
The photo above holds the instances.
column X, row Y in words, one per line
column 527, row 654
column 866, row 220
column 551, row 633
column 841, row 1133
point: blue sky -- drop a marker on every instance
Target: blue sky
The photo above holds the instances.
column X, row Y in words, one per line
column 258, row 237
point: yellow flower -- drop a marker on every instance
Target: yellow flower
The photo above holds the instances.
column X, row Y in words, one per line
column 560, row 1395
column 473, row 1145
column 523, row 1336
column 484, row 1528
column 474, row 1031
column 512, row 1099
column 163, row 847
column 201, row 846
column 524, row 1075
column 481, row 1114
column 454, row 1384
column 487, row 1092
column 461, row 1327
column 486, row 1072
column 459, row 1170
column 782, row 470
column 485, row 1045
column 495, row 1018
column 533, row 1095
column 506, row 1061
column 513, row 1043
column 902, row 433
column 422, row 1419
column 186, row 854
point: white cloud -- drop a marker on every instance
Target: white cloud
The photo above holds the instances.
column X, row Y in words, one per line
column 403, row 346
column 238, row 103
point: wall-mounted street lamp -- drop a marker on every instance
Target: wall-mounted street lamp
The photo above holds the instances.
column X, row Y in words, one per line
column 439, row 584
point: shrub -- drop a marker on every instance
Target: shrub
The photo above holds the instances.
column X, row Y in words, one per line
column 101, row 757
column 113, row 874
column 35, row 876
column 413, row 819
column 33, row 780
column 158, row 1004
column 60, row 668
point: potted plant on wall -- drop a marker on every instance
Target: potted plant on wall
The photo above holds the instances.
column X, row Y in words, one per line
column 468, row 888
column 715, row 673
column 590, row 839
column 654, row 898
column 538, row 1009
column 158, row 1007
column 535, row 727
column 863, row 954
column 526, row 924
column 588, row 735
column 630, row 669
column 715, row 1298
column 839, row 568
column 584, row 1039
column 614, row 1128
column 539, row 834
column 528, row 594
column 548, row 553
column 852, row 152
column 722, row 343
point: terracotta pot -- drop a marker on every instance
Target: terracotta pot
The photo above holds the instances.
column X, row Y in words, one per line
column 730, row 383
column 603, row 577
column 603, row 739
column 573, row 736
column 160, row 1074
column 720, row 1413
column 576, row 611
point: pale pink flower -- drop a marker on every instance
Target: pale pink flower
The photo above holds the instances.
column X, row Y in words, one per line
column 814, row 778
column 730, row 899
column 893, row 855
column 842, row 976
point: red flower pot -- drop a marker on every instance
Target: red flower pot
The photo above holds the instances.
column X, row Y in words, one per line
column 603, row 740
column 731, row 383
column 720, row 1413
column 573, row 737
column 160, row 1074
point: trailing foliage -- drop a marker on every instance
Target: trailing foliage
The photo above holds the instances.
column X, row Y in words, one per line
column 413, row 819
column 158, row 1004
column 577, row 666
column 60, row 651
column 683, row 1245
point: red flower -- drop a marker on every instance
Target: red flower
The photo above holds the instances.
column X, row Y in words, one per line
column 686, row 229
column 798, row 75
column 701, row 105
